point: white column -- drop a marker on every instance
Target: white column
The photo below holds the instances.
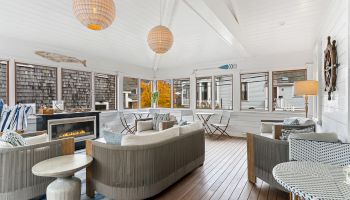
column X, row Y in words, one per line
column 270, row 91
column 236, row 91
column 12, row 82
column 120, row 105
column 59, row 83
column 193, row 91
column 92, row 90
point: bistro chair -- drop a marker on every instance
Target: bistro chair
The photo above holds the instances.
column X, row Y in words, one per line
column 128, row 127
column 223, row 124
column 187, row 114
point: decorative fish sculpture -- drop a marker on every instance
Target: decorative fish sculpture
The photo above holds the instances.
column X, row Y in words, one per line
column 228, row 66
column 59, row 57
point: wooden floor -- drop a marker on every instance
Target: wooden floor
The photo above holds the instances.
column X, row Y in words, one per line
column 223, row 176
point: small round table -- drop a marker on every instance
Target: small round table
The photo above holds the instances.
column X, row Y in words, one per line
column 312, row 180
column 205, row 117
column 63, row 168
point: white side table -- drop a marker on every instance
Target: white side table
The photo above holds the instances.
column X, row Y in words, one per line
column 205, row 117
column 65, row 187
column 312, row 180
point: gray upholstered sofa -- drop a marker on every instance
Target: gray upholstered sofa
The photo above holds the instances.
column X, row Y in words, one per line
column 139, row 172
column 16, row 178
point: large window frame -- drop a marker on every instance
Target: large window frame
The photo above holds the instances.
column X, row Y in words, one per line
column 36, row 101
column 6, row 81
column 167, row 84
column 182, row 83
column 274, row 90
column 111, row 93
column 137, row 93
column 144, row 83
column 215, row 90
column 209, row 92
column 245, row 84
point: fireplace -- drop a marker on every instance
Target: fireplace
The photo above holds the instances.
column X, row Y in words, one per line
column 81, row 128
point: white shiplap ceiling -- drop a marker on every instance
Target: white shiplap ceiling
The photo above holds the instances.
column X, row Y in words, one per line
column 197, row 39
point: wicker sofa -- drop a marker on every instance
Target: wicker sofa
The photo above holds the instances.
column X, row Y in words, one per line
column 16, row 178
column 139, row 172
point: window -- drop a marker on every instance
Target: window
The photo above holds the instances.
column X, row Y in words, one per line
column 203, row 92
column 146, row 93
column 76, row 89
column 36, row 84
column 223, row 92
column 105, row 90
column 181, row 93
column 283, row 90
column 3, row 80
column 164, row 89
column 130, row 93
column 254, row 91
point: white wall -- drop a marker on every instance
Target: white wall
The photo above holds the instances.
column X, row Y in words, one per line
column 334, row 114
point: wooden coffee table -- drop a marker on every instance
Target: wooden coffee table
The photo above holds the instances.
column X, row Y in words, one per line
column 63, row 168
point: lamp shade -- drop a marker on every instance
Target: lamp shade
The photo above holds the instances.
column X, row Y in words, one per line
column 306, row 88
column 160, row 39
column 94, row 14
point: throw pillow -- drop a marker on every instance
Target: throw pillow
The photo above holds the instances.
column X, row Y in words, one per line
column 190, row 128
column 294, row 121
column 112, row 137
column 159, row 118
column 182, row 123
column 4, row 144
column 287, row 132
column 13, row 138
column 37, row 139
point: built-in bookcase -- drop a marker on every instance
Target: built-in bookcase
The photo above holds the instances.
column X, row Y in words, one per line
column 36, row 84
column 76, row 89
column 105, row 89
column 3, row 80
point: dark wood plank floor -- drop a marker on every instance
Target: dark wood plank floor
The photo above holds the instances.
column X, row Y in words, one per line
column 223, row 176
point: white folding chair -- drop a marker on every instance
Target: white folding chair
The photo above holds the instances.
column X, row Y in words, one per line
column 223, row 124
column 128, row 127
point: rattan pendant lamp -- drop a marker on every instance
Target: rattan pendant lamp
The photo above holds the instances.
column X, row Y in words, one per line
column 94, row 14
column 160, row 39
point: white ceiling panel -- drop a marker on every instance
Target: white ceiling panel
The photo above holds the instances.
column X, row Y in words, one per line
column 52, row 23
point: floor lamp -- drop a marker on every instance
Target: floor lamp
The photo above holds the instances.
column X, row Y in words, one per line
column 306, row 89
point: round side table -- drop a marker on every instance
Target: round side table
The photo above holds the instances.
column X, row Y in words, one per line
column 65, row 187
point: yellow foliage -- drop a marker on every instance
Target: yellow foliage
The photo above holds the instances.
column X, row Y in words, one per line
column 164, row 89
column 146, row 94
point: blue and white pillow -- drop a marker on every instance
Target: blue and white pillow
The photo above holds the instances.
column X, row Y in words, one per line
column 13, row 138
column 112, row 137
column 15, row 117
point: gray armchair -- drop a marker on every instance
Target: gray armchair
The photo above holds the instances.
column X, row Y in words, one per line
column 263, row 154
column 16, row 178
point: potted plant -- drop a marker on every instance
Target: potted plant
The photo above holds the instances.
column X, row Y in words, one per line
column 155, row 98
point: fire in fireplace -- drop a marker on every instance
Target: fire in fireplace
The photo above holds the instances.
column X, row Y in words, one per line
column 81, row 128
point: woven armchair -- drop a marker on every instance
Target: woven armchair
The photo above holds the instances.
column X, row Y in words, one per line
column 16, row 178
column 140, row 172
column 263, row 155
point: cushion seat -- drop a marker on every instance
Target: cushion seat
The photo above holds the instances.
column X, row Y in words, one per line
column 147, row 132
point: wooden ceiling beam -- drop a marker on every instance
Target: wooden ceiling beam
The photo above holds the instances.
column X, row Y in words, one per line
column 219, row 17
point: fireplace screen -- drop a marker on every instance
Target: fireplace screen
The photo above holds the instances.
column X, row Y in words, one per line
column 80, row 128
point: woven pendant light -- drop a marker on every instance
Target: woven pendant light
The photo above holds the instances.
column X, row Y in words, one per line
column 160, row 39
column 94, row 14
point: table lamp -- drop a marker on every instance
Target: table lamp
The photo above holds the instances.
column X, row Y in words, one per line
column 306, row 89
